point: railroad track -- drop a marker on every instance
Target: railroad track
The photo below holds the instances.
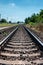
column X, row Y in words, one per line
column 5, row 31
column 20, row 48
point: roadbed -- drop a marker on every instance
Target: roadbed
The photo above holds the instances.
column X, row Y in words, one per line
column 4, row 31
column 39, row 34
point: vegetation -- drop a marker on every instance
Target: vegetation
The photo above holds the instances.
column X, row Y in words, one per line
column 6, row 24
column 10, row 22
column 3, row 21
column 18, row 22
column 36, row 20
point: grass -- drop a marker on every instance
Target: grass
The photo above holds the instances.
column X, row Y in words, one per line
column 6, row 24
column 36, row 26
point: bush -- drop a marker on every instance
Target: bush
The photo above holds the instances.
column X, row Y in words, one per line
column 3, row 21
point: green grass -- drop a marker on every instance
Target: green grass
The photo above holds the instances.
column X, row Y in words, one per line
column 6, row 24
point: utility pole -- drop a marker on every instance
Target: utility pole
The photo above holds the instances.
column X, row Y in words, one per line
column 7, row 18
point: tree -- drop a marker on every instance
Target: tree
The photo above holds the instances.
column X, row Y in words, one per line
column 10, row 22
column 18, row 22
column 41, row 15
column 26, row 21
column 3, row 21
column 41, row 12
column 33, row 18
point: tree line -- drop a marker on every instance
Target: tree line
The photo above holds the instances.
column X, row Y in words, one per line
column 35, row 18
column 4, row 21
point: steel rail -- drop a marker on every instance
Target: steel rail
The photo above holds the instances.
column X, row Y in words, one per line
column 39, row 42
column 3, row 29
column 8, row 37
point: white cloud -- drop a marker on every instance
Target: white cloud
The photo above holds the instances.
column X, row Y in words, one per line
column 12, row 4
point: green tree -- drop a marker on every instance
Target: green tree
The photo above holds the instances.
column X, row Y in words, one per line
column 10, row 22
column 26, row 21
column 33, row 18
column 18, row 22
column 3, row 21
column 41, row 13
column 41, row 16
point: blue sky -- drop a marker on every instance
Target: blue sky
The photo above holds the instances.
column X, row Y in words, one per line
column 15, row 10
